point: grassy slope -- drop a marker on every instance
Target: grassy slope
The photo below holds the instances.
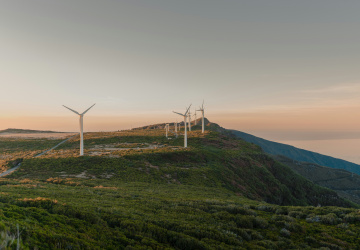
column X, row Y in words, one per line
column 345, row 183
column 171, row 198
column 213, row 161
column 20, row 148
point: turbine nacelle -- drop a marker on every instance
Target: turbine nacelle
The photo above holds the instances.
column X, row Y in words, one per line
column 201, row 108
column 81, row 127
column 185, row 116
column 202, row 120
column 83, row 113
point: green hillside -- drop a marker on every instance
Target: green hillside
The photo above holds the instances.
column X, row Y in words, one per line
column 214, row 160
column 298, row 154
column 139, row 190
column 346, row 184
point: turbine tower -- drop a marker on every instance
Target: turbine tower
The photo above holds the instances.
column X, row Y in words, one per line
column 202, row 112
column 185, row 133
column 189, row 120
column 167, row 129
column 81, row 127
column 176, row 129
column 195, row 122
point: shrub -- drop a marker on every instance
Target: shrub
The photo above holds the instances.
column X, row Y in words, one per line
column 282, row 210
column 266, row 208
column 284, row 232
column 294, row 227
column 260, row 223
column 352, row 217
column 243, row 221
column 349, row 232
column 330, row 219
column 37, row 202
column 283, row 218
column 313, row 219
column 297, row 214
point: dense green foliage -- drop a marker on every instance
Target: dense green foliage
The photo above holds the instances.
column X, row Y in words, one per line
column 253, row 175
column 165, row 216
column 345, row 183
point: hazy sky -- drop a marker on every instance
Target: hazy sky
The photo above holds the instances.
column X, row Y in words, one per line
column 269, row 67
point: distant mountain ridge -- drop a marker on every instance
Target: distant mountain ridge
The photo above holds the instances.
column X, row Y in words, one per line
column 25, row 131
column 298, row 154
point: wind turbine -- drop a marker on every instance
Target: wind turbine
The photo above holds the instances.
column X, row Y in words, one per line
column 185, row 116
column 167, row 129
column 176, row 129
column 202, row 112
column 81, row 127
column 195, row 122
column 189, row 120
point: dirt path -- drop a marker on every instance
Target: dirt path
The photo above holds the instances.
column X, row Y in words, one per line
column 54, row 146
column 9, row 171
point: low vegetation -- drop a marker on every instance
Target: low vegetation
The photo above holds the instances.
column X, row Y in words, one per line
column 344, row 183
column 143, row 191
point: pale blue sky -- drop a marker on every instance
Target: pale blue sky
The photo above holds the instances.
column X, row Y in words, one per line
column 256, row 63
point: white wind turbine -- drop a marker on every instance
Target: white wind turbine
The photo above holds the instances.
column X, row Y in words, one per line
column 202, row 112
column 81, row 127
column 176, row 129
column 167, row 129
column 195, row 122
column 189, row 120
column 185, row 133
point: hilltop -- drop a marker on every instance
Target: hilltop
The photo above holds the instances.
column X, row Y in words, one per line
column 139, row 189
column 214, row 160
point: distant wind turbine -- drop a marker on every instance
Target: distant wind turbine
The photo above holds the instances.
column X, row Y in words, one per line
column 167, row 129
column 185, row 133
column 195, row 122
column 176, row 129
column 81, row 127
column 202, row 112
column 189, row 120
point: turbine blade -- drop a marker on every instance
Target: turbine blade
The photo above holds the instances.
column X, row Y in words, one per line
column 178, row 113
column 72, row 110
column 188, row 109
column 88, row 109
column 202, row 105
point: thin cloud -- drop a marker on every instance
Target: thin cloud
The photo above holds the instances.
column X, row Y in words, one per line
column 337, row 89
